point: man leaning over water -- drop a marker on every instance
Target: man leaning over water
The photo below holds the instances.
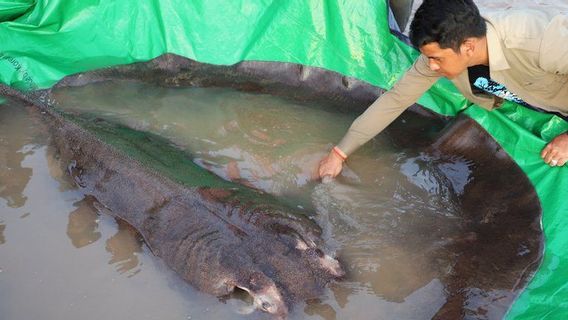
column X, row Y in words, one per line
column 524, row 50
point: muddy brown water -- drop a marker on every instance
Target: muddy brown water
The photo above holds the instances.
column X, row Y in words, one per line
column 391, row 216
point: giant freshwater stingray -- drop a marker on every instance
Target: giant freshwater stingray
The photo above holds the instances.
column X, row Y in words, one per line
column 217, row 235
column 220, row 236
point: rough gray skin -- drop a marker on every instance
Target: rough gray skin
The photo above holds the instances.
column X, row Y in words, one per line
column 216, row 238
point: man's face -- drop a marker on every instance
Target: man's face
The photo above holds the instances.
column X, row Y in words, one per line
column 446, row 62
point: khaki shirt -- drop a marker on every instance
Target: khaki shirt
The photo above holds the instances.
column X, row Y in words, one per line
column 528, row 54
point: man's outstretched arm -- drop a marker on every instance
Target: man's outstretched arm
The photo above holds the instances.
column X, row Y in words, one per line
column 417, row 80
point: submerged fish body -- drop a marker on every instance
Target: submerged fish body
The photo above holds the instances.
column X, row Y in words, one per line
column 218, row 236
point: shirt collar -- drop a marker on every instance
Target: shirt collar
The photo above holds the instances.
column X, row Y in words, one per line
column 497, row 60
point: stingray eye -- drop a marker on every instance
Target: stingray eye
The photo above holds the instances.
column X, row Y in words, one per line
column 266, row 305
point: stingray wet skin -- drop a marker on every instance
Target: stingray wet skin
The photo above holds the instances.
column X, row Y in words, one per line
column 485, row 261
column 219, row 236
column 501, row 241
column 503, row 245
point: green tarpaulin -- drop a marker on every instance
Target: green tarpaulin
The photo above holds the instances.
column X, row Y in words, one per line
column 44, row 41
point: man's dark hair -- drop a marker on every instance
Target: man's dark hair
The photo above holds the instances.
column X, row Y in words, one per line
column 447, row 22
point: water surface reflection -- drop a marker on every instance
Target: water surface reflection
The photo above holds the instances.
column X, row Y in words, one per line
column 14, row 147
column 82, row 227
column 125, row 246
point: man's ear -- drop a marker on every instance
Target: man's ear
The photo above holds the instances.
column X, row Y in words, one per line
column 468, row 47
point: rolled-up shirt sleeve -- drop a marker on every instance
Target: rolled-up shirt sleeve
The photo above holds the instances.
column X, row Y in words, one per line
column 417, row 80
